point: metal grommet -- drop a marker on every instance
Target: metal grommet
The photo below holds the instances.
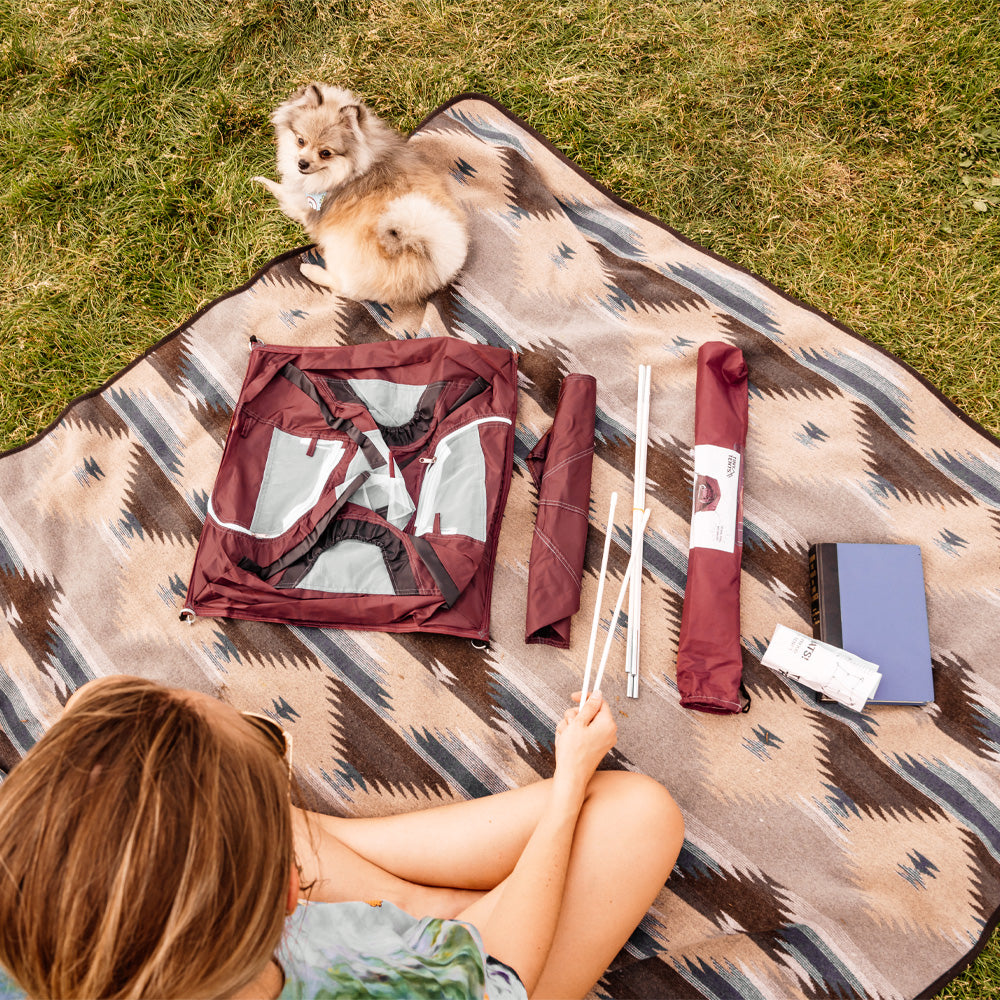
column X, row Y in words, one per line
column 187, row 616
column 480, row 644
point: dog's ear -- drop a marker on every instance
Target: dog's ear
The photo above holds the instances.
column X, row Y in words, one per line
column 309, row 95
column 281, row 114
column 284, row 112
column 298, row 94
column 352, row 115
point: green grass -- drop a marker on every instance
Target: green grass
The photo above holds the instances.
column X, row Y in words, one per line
column 821, row 145
column 848, row 152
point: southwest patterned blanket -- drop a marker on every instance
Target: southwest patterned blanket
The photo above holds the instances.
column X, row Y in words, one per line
column 828, row 853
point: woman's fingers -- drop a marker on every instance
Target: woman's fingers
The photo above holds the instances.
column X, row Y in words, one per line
column 594, row 721
column 575, row 696
column 606, row 721
column 588, row 712
column 589, row 709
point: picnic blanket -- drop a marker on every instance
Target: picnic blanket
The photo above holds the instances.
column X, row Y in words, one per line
column 828, row 853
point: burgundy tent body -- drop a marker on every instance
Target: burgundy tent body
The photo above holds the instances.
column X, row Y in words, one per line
column 709, row 657
column 362, row 487
column 561, row 465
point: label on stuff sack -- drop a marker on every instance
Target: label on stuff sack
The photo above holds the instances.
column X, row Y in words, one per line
column 716, row 498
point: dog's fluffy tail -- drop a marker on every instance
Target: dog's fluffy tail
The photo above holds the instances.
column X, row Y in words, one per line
column 415, row 224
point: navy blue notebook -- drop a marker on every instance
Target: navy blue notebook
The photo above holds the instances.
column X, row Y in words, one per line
column 869, row 599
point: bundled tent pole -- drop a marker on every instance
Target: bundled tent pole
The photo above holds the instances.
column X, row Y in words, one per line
column 634, row 560
column 600, row 595
column 638, row 506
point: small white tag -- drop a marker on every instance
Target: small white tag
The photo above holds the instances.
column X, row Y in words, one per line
column 716, row 498
column 315, row 201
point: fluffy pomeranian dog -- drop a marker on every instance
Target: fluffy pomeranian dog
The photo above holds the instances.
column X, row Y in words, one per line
column 384, row 221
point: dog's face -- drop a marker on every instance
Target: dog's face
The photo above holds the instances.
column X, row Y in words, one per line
column 321, row 138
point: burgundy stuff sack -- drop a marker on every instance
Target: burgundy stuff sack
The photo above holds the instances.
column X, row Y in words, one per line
column 709, row 656
column 362, row 487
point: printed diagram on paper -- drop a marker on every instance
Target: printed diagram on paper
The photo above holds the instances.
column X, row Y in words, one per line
column 834, row 672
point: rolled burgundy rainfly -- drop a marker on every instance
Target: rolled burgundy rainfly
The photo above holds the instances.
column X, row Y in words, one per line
column 561, row 465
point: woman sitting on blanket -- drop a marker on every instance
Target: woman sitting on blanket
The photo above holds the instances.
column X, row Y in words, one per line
column 149, row 848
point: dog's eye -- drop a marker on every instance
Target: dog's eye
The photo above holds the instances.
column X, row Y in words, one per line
column 302, row 141
column 325, row 154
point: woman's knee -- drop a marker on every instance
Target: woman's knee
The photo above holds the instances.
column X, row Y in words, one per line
column 643, row 813
column 638, row 798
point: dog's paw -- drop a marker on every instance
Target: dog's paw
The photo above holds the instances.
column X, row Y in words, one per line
column 268, row 183
column 318, row 275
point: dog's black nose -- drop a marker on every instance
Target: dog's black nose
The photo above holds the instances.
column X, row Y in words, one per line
column 303, row 165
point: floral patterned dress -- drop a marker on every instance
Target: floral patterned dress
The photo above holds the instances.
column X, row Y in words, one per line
column 336, row 951
column 360, row 950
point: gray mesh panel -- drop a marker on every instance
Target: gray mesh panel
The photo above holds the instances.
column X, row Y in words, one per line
column 381, row 490
column 349, row 567
column 455, row 487
column 389, row 403
column 292, row 481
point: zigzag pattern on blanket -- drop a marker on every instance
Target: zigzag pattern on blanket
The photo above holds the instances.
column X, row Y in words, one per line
column 827, row 854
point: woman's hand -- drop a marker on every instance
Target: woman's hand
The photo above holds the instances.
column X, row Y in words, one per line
column 583, row 737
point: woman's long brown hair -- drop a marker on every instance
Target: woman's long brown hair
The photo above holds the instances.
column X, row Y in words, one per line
column 144, row 851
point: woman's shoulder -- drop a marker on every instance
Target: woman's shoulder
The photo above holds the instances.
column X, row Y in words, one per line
column 335, row 949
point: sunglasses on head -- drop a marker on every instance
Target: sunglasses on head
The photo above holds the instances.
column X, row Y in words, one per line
column 278, row 738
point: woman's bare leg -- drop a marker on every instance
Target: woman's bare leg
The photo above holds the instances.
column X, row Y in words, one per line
column 331, row 872
column 472, row 844
column 627, row 838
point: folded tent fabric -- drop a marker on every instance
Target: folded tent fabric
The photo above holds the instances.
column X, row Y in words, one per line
column 362, row 487
column 709, row 656
column 561, row 464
